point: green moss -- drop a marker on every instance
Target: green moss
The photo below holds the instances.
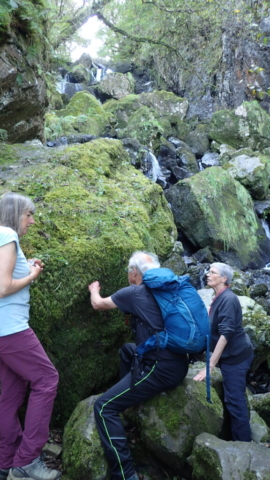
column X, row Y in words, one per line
column 261, row 405
column 173, row 410
column 81, row 445
column 123, row 108
column 143, row 126
column 251, row 476
column 6, row 154
column 83, row 114
column 3, row 135
column 93, row 211
column 206, row 463
column 251, row 128
column 222, row 213
column 148, row 116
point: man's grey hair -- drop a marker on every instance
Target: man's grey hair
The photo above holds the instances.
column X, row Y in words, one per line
column 12, row 207
column 224, row 270
column 143, row 261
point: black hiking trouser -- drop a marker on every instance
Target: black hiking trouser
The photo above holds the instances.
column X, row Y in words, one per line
column 132, row 389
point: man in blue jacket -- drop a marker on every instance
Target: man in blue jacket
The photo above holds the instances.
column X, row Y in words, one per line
column 140, row 380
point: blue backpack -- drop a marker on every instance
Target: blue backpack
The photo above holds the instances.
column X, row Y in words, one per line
column 186, row 322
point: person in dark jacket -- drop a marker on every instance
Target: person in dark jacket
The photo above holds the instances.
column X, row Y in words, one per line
column 231, row 347
column 140, row 380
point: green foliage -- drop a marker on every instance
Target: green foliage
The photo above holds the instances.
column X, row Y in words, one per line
column 3, row 135
column 181, row 33
column 84, row 114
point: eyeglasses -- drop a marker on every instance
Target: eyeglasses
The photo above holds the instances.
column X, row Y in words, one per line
column 128, row 269
column 210, row 272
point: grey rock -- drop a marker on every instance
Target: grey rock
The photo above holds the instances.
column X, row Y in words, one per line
column 216, row 459
column 81, row 441
column 210, row 159
column 259, row 429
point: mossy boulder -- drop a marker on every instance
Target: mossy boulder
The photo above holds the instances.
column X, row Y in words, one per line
column 215, row 459
column 257, row 324
column 83, row 114
column 176, row 263
column 166, row 422
column 226, row 153
column 83, row 455
column 258, row 290
column 144, row 126
column 261, row 404
column 3, row 135
column 148, row 116
column 212, row 209
column 93, row 210
column 187, row 159
column 79, row 74
column 246, row 126
column 123, row 109
column 198, row 140
column 252, row 172
column 165, row 103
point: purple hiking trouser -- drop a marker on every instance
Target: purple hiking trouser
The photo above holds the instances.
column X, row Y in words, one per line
column 24, row 362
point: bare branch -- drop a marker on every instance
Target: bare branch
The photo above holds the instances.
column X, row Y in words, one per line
column 134, row 37
column 80, row 18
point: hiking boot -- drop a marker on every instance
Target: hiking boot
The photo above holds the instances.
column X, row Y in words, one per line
column 3, row 473
column 36, row 470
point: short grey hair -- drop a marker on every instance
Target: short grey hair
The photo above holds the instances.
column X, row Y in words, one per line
column 12, row 207
column 224, row 270
column 143, row 261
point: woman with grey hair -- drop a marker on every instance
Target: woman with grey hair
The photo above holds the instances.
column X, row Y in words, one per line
column 23, row 362
column 231, row 347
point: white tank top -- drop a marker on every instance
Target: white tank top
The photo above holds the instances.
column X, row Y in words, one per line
column 14, row 309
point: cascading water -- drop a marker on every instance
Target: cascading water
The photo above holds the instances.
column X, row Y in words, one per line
column 151, row 166
column 60, row 86
column 67, row 87
column 266, row 228
column 101, row 72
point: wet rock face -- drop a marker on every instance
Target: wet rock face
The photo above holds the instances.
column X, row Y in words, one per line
column 232, row 75
column 22, row 97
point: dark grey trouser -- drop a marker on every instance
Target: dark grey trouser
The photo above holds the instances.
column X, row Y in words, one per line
column 234, row 384
column 149, row 381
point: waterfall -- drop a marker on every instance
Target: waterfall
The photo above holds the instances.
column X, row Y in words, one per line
column 67, row 87
column 99, row 74
column 102, row 72
column 266, row 227
column 200, row 166
column 151, row 166
column 60, row 86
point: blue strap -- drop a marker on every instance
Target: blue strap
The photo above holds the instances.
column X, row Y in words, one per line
column 208, row 385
